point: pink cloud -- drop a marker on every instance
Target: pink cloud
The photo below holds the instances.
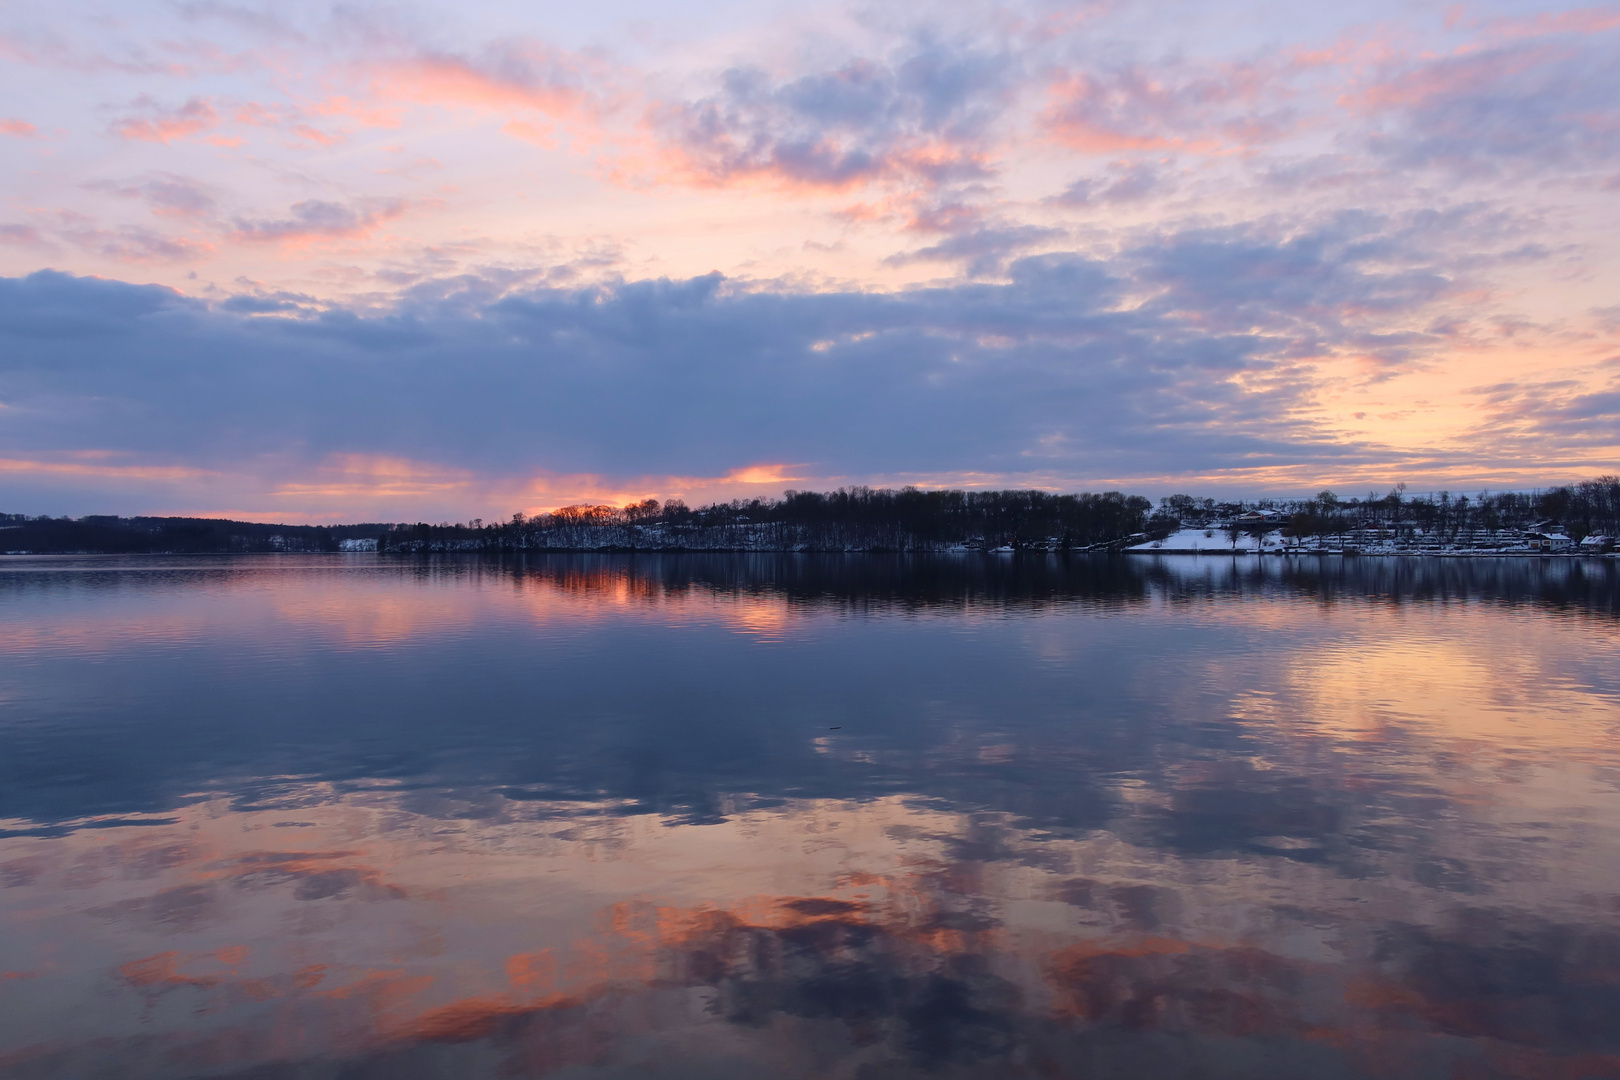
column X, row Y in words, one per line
column 363, row 113
column 1575, row 21
column 166, row 125
column 540, row 136
column 1447, row 77
column 1236, row 106
column 20, row 129
column 524, row 75
column 315, row 135
column 302, row 121
column 20, row 235
column 287, row 118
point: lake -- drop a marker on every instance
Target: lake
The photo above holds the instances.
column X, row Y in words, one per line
column 809, row 816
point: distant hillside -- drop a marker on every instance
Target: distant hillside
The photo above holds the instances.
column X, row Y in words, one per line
column 106, row 535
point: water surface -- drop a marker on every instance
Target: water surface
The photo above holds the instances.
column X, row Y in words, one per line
column 809, row 816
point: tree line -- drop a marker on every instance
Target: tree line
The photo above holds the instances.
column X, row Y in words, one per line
column 851, row 518
column 858, row 518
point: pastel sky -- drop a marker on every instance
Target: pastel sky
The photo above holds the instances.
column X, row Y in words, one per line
column 316, row 261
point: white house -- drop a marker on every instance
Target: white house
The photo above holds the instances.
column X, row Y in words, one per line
column 1549, row 541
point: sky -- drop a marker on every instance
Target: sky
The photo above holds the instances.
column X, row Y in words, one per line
column 316, row 262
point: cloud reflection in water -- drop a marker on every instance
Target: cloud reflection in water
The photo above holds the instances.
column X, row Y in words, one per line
column 585, row 816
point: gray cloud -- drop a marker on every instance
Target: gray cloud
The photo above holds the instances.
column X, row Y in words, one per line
column 1056, row 369
column 980, row 244
column 321, row 219
column 1123, row 184
column 922, row 115
column 1525, row 107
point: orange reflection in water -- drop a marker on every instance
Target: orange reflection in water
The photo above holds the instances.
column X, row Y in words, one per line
column 360, row 601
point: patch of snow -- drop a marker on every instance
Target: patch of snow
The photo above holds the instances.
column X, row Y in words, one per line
column 1188, row 541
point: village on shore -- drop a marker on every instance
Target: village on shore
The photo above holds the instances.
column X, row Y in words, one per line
column 1270, row 531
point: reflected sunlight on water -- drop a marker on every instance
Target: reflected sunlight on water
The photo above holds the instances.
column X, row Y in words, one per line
column 808, row 816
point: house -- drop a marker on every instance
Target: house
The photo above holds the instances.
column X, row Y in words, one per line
column 1548, row 541
column 1596, row 544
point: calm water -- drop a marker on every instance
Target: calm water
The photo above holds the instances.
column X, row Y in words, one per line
column 785, row 816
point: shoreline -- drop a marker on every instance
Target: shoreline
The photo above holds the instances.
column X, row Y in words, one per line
column 999, row 553
column 1381, row 554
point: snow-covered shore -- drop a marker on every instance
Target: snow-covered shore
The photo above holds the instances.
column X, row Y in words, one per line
column 1213, row 541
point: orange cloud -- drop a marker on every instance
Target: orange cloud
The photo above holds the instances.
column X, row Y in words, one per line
column 760, row 474
column 371, row 476
column 163, row 970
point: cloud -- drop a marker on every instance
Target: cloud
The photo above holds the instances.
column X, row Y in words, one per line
column 1560, row 419
column 982, row 247
column 925, row 117
column 154, row 123
column 1512, row 102
column 319, row 220
column 310, row 124
column 167, row 194
column 130, row 244
column 1318, row 287
column 19, row 129
column 45, row 49
column 1127, row 183
column 531, row 78
column 99, row 470
column 1114, row 110
column 21, row 235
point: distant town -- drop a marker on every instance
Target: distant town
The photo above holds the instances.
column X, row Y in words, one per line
column 1580, row 519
